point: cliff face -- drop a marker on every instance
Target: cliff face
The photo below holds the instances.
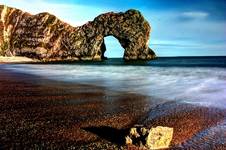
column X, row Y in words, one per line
column 45, row 37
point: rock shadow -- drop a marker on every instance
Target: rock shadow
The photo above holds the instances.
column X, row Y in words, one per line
column 110, row 134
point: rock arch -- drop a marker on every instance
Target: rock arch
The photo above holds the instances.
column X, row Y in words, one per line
column 45, row 37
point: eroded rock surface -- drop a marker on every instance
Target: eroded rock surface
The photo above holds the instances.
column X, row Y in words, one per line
column 155, row 138
column 45, row 37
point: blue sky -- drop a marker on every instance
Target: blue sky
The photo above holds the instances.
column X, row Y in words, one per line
column 179, row 27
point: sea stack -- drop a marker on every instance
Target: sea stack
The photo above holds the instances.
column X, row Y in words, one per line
column 46, row 38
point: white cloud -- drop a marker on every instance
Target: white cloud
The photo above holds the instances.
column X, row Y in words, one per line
column 195, row 36
column 72, row 14
column 195, row 14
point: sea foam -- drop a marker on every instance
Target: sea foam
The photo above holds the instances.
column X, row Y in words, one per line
column 196, row 85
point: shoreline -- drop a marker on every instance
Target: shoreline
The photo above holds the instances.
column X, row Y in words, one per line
column 36, row 112
column 16, row 59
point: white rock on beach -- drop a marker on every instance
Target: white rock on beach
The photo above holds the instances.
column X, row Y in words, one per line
column 159, row 137
column 154, row 138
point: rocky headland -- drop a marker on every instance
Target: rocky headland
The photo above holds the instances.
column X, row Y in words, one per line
column 44, row 37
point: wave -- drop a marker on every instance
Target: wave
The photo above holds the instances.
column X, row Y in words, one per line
column 198, row 85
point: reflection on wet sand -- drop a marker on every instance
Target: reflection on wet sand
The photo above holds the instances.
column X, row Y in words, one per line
column 39, row 113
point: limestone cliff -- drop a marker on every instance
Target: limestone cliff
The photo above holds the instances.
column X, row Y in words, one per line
column 45, row 37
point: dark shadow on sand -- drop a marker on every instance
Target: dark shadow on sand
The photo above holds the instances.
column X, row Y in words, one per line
column 110, row 134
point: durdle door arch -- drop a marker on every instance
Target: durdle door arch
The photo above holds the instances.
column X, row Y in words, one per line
column 46, row 38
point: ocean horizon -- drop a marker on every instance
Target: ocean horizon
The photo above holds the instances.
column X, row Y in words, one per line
column 166, row 61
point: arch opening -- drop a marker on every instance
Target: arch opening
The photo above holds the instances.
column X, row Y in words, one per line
column 112, row 48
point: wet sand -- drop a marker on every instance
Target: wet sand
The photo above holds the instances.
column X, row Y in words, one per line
column 39, row 113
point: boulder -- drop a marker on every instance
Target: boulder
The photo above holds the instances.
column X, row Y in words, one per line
column 154, row 138
column 45, row 37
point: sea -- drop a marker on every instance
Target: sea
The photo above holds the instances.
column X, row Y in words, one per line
column 195, row 80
